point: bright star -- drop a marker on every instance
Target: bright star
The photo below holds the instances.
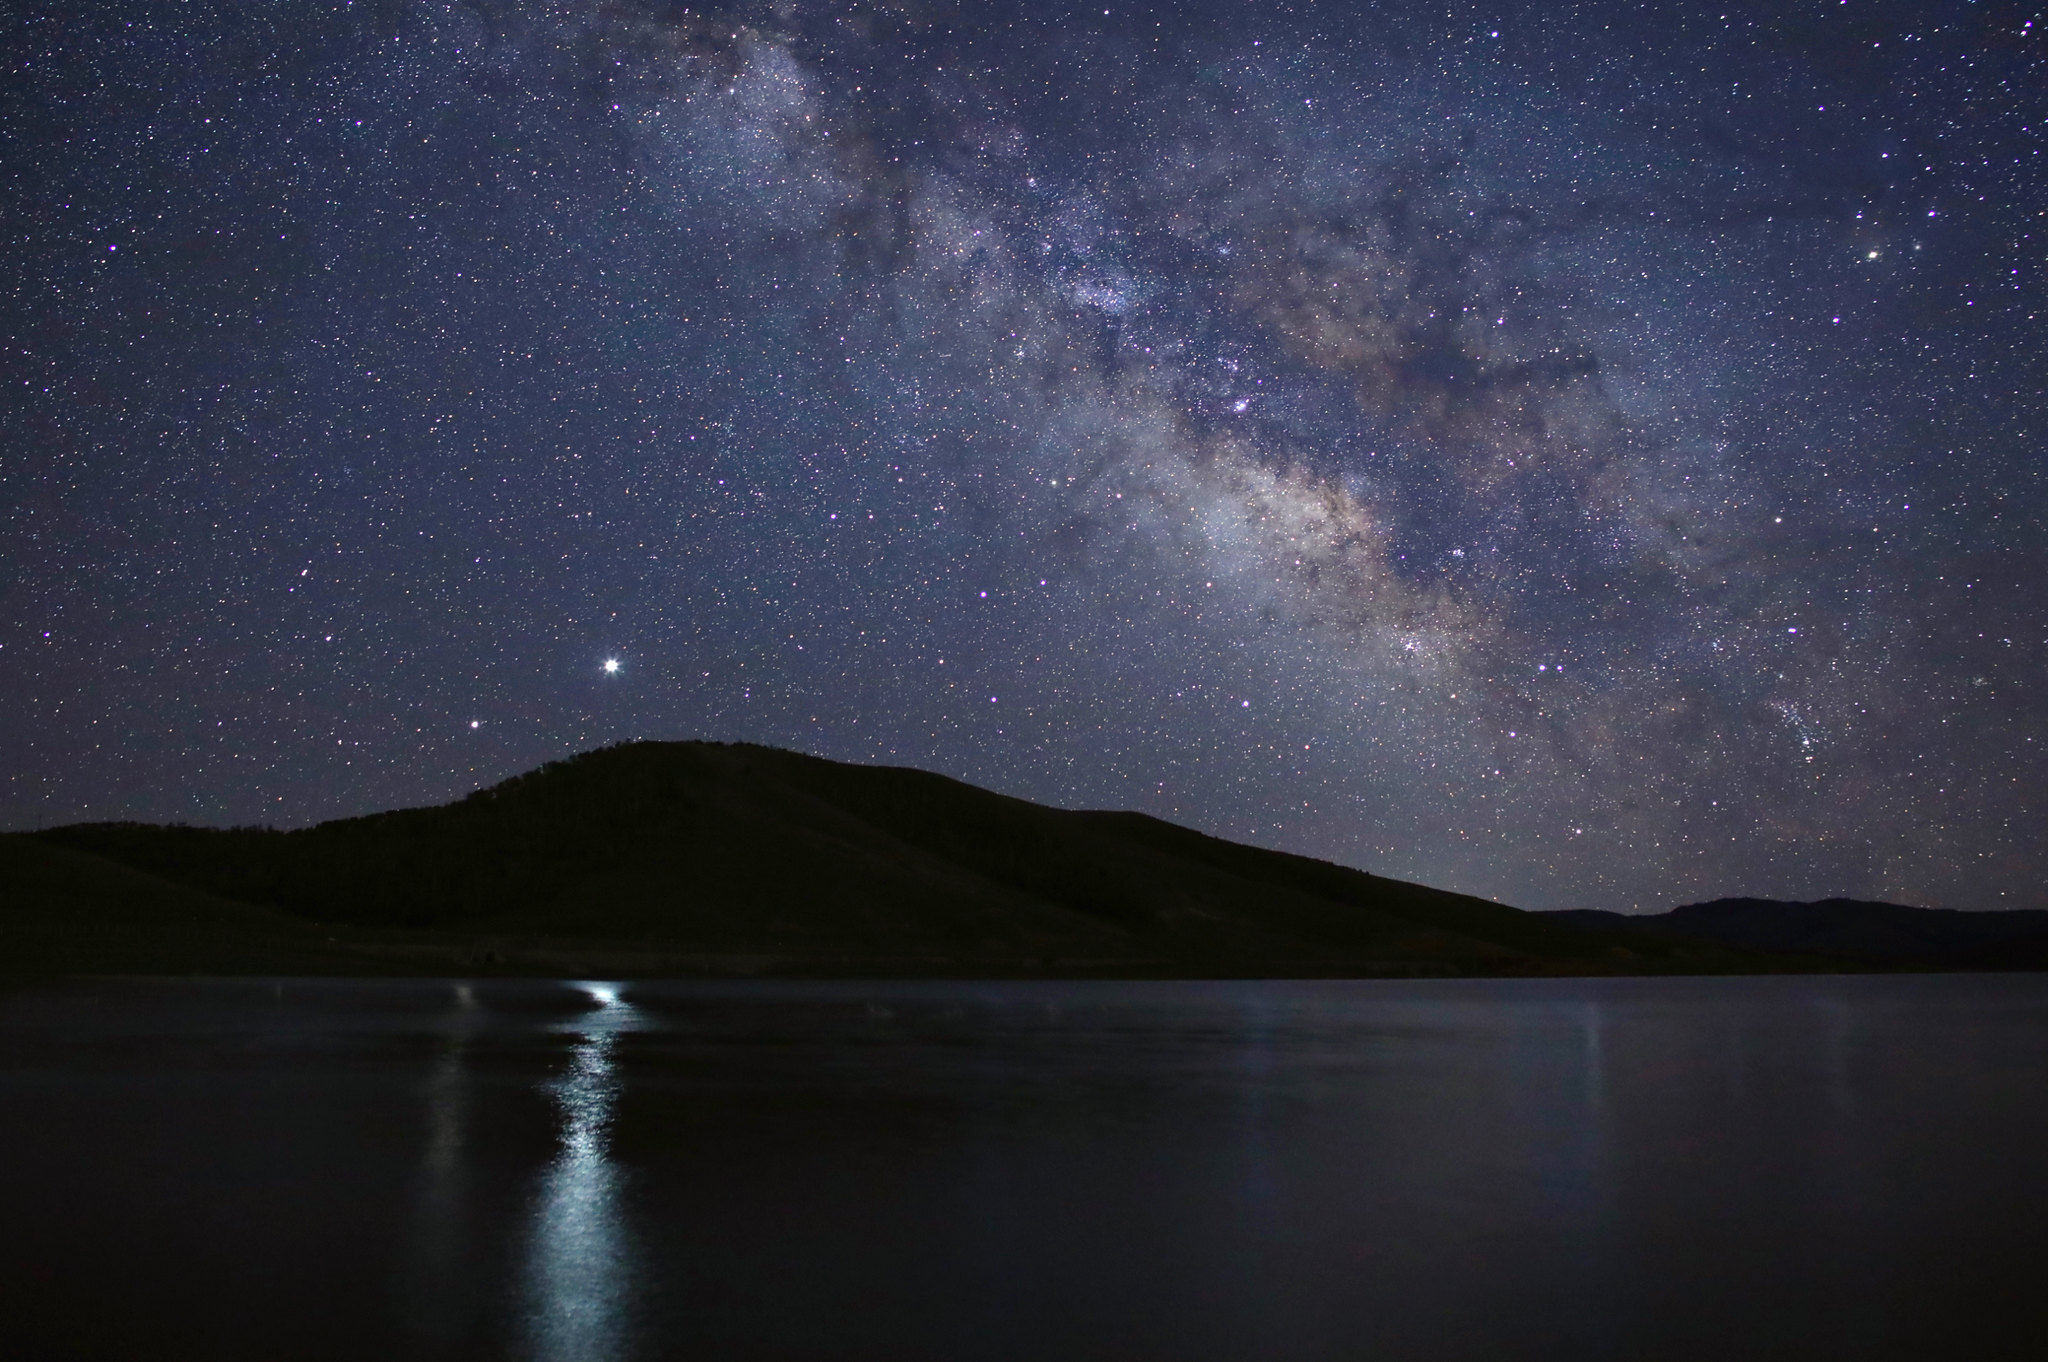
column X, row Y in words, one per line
column 611, row 664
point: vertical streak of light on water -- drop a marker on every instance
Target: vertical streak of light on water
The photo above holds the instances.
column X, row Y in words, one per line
column 1599, row 1336
column 437, row 1244
column 1592, row 1027
column 579, row 1269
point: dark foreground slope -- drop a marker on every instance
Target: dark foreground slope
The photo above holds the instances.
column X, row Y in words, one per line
column 677, row 858
column 1845, row 931
column 65, row 911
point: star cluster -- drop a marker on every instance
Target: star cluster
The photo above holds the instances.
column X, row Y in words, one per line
column 1586, row 456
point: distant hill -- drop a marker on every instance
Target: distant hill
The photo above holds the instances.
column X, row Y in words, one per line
column 682, row 858
column 1884, row 935
column 64, row 911
column 706, row 858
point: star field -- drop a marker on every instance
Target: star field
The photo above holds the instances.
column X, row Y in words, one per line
column 1589, row 456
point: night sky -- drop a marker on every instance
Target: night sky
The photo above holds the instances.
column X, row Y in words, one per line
column 1589, row 456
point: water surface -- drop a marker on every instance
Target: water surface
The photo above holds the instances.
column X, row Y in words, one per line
column 1586, row 1169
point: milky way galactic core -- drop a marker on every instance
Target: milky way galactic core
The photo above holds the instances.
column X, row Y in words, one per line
column 1585, row 456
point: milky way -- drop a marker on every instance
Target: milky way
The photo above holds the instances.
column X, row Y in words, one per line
column 1587, row 457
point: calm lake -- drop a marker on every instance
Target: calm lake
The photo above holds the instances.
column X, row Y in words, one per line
column 1584, row 1169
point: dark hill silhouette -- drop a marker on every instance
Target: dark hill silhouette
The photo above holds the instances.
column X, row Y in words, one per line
column 63, row 911
column 1864, row 933
column 678, row 858
column 703, row 857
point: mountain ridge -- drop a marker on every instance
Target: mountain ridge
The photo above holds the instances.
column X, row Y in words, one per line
column 1865, row 932
column 737, row 858
column 713, row 858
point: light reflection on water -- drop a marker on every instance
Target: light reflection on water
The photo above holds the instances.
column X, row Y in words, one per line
column 439, row 1241
column 1510, row 1170
column 580, row 1262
